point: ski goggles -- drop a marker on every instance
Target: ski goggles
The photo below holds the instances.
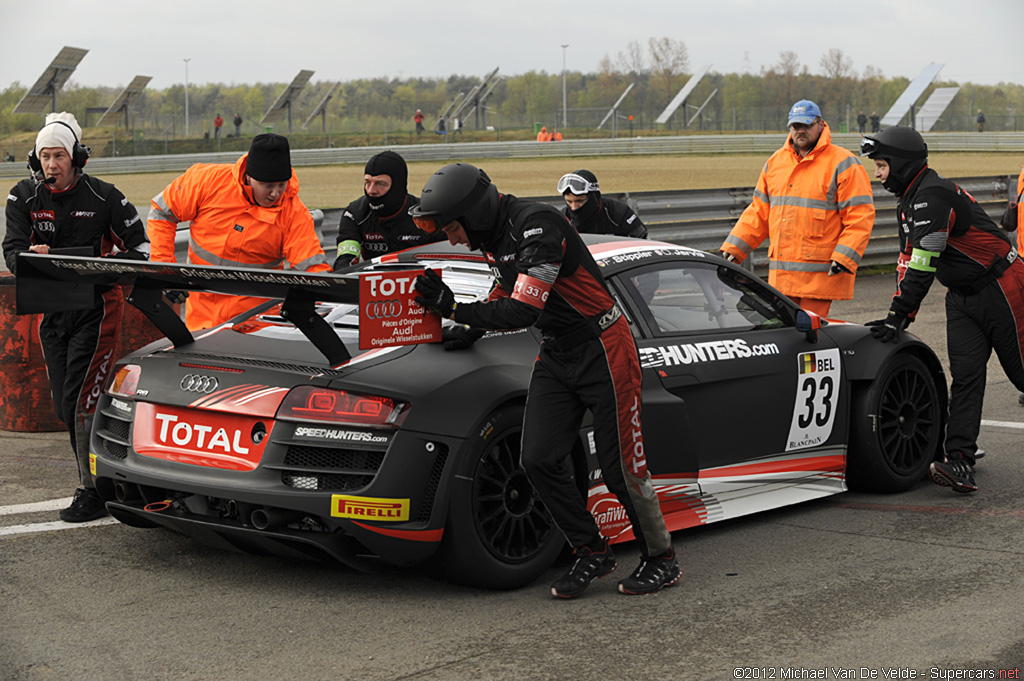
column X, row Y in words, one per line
column 427, row 223
column 577, row 184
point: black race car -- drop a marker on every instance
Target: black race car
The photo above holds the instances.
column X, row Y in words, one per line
column 274, row 433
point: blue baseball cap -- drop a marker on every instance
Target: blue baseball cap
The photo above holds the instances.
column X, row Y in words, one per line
column 804, row 111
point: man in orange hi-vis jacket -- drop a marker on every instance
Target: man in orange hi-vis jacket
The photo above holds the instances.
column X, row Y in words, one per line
column 813, row 202
column 244, row 215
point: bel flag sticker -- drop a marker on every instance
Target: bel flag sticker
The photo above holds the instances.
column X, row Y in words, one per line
column 389, row 314
column 817, row 395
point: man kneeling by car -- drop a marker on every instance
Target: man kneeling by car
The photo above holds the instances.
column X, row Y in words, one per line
column 548, row 279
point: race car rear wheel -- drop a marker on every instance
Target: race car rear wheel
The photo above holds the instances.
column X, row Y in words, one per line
column 896, row 427
column 499, row 534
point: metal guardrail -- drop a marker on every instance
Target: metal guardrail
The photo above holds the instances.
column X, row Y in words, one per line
column 702, row 218
column 457, row 151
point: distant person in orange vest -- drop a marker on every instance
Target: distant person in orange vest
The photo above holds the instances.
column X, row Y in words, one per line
column 813, row 202
column 418, row 119
column 217, row 123
column 543, row 135
column 557, row 137
column 246, row 214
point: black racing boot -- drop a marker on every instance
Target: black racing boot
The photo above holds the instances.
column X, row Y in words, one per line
column 588, row 566
column 86, row 506
column 954, row 472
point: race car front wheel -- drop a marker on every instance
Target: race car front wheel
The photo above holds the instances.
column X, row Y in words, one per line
column 896, row 427
column 499, row 534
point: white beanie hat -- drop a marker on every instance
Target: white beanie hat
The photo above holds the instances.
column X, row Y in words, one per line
column 54, row 134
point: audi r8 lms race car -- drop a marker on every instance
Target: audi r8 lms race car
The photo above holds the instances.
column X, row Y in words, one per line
column 275, row 433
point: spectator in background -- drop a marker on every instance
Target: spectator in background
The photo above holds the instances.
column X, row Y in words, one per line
column 813, row 202
column 543, row 135
column 246, row 214
column 238, row 124
column 981, row 121
column 440, row 129
column 418, row 119
column 217, row 123
column 60, row 207
column 875, row 121
column 590, row 213
column 378, row 222
column 862, row 122
column 456, row 126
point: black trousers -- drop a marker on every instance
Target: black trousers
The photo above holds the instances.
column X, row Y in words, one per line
column 79, row 349
column 977, row 324
column 602, row 375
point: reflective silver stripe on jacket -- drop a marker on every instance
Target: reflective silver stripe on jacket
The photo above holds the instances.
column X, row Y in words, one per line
column 789, row 266
column 849, row 253
column 739, row 243
column 217, row 260
column 162, row 212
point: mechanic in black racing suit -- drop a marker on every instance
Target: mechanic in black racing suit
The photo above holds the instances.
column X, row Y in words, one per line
column 60, row 207
column 546, row 277
column 590, row 213
column 378, row 222
column 945, row 234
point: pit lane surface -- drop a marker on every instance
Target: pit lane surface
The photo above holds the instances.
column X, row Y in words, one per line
column 914, row 581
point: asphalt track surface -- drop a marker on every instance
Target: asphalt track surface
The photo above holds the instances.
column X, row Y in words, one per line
column 923, row 584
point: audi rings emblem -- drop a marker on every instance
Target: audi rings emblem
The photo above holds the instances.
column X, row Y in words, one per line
column 194, row 383
column 383, row 309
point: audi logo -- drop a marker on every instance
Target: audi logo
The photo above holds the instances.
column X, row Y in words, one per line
column 383, row 309
column 194, row 383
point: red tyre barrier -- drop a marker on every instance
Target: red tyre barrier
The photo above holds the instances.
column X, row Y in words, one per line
column 25, row 401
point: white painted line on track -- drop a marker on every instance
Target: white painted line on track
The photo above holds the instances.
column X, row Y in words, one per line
column 51, row 505
column 1003, row 424
column 52, row 527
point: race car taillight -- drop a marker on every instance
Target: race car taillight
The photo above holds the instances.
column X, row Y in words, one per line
column 125, row 381
column 310, row 403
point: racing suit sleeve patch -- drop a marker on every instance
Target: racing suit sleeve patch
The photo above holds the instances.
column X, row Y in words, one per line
column 922, row 260
column 349, row 247
column 531, row 291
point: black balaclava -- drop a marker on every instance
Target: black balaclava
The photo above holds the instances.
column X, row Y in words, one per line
column 593, row 204
column 391, row 164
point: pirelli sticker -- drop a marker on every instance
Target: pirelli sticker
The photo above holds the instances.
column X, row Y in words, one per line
column 369, row 508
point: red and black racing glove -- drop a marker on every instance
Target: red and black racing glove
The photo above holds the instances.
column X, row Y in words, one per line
column 435, row 294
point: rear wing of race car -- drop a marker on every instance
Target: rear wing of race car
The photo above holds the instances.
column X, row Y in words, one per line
column 55, row 283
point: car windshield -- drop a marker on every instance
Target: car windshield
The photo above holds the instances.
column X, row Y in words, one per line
column 687, row 297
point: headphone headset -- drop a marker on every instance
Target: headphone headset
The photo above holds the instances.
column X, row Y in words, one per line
column 79, row 153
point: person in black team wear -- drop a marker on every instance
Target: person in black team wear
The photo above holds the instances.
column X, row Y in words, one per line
column 590, row 213
column 379, row 222
column 60, row 207
column 946, row 235
column 546, row 277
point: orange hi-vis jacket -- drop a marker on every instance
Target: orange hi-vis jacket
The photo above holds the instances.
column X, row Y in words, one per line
column 229, row 228
column 813, row 210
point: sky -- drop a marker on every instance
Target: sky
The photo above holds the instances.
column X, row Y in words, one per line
column 250, row 41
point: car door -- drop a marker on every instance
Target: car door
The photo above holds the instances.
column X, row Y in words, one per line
column 732, row 390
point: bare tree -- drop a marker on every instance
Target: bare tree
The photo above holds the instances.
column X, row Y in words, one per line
column 669, row 61
column 836, row 65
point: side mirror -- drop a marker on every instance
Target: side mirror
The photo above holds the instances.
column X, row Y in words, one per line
column 808, row 324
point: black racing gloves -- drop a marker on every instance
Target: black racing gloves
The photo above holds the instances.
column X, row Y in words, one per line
column 888, row 330
column 130, row 254
column 342, row 262
column 459, row 337
column 435, row 294
column 175, row 297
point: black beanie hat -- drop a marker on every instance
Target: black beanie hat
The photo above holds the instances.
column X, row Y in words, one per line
column 391, row 164
column 269, row 159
